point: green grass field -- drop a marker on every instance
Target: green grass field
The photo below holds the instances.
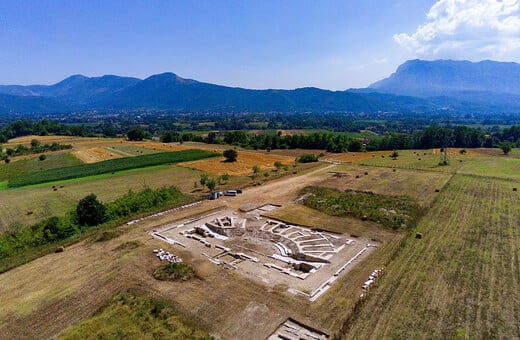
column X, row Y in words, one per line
column 33, row 165
column 113, row 165
column 462, row 280
column 42, row 201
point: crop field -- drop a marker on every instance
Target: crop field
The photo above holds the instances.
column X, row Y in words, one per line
column 246, row 160
column 27, row 205
column 462, row 280
column 60, row 174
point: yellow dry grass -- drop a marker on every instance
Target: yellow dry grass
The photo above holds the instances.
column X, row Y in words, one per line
column 354, row 156
column 162, row 146
column 244, row 165
column 456, row 152
column 94, row 155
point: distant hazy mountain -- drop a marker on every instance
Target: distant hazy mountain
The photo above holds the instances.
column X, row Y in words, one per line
column 76, row 90
column 416, row 86
column 10, row 104
column 168, row 91
column 421, row 78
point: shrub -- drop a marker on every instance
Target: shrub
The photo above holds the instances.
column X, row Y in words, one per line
column 231, row 155
column 307, row 158
column 174, row 272
column 90, row 211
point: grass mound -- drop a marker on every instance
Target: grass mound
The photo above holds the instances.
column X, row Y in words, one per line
column 106, row 235
column 113, row 165
column 133, row 316
column 396, row 212
column 174, row 272
column 129, row 245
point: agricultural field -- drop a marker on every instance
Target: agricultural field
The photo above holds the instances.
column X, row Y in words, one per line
column 244, row 164
column 474, row 162
column 113, row 165
column 94, row 155
column 421, row 185
column 33, row 164
column 462, row 279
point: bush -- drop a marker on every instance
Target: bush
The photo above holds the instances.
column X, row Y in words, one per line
column 307, row 158
column 174, row 272
column 90, row 211
column 506, row 147
column 42, row 157
column 231, row 155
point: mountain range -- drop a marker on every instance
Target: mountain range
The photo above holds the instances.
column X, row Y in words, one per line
column 416, row 86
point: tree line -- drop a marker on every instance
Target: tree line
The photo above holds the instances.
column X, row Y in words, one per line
column 434, row 136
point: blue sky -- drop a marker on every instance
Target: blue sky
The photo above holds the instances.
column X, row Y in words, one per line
column 254, row 44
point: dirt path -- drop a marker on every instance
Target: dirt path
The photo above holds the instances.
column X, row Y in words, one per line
column 281, row 191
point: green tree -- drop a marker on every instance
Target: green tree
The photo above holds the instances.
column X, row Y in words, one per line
column 307, row 158
column 231, row 155
column 211, row 184
column 35, row 144
column 394, row 155
column 136, row 134
column 256, row 171
column 278, row 165
column 90, row 211
column 203, row 179
column 505, row 147
column 222, row 179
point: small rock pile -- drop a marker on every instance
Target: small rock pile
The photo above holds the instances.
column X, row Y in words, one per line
column 166, row 256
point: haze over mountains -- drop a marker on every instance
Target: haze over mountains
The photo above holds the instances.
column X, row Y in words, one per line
column 416, row 86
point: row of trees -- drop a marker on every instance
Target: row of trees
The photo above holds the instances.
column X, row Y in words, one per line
column 25, row 127
column 431, row 137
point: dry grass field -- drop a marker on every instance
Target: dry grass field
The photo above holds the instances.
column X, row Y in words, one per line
column 246, row 160
column 462, row 280
column 421, row 185
column 94, row 155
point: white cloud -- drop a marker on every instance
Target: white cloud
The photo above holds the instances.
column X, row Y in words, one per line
column 467, row 29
